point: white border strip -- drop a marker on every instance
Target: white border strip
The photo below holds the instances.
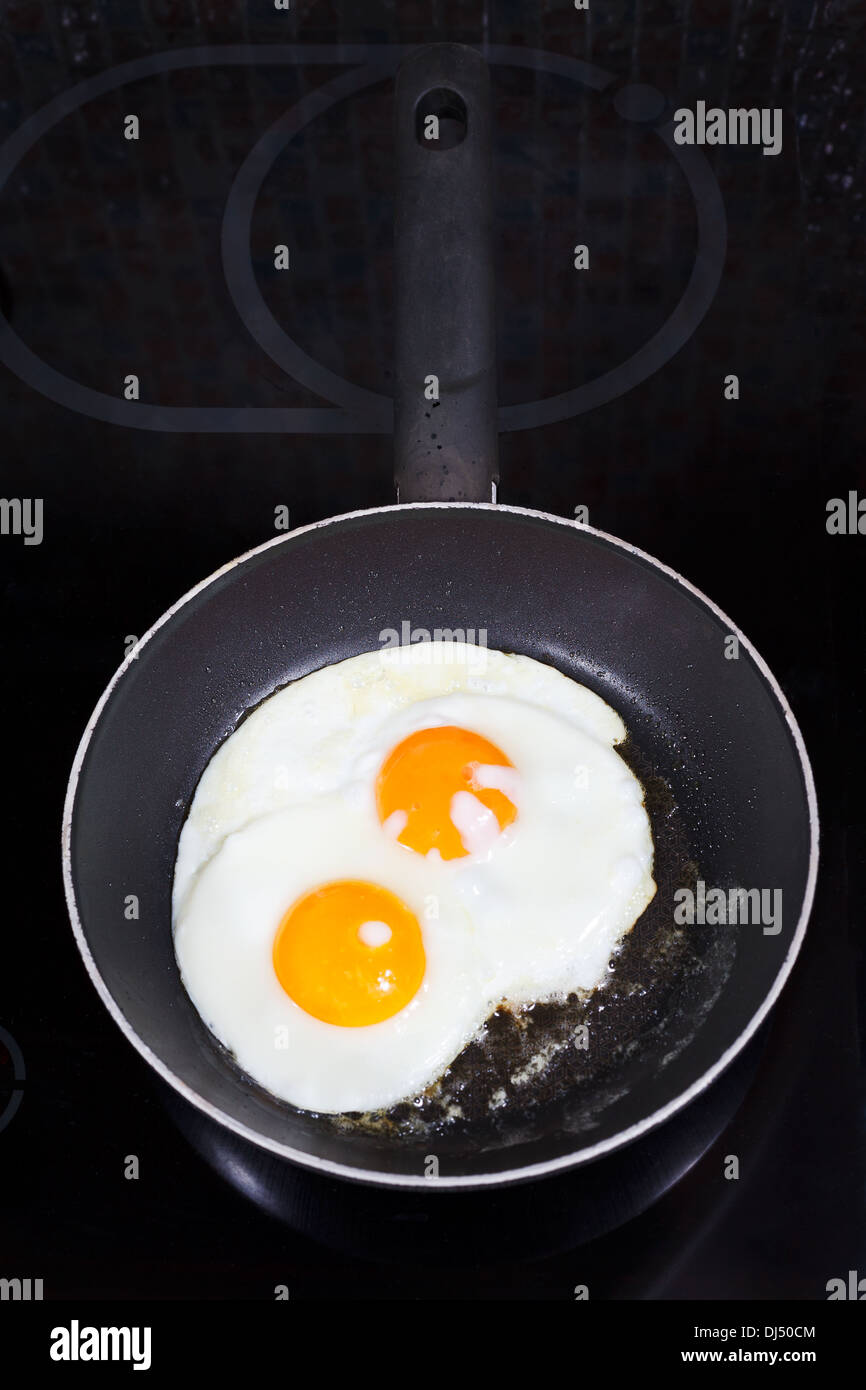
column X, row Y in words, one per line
column 535, row 1170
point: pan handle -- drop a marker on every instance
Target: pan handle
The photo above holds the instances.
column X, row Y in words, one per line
column 445, row 449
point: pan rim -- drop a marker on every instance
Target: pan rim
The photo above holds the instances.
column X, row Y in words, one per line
column 509, row 1177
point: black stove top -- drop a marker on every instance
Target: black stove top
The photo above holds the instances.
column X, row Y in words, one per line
column 116, row 260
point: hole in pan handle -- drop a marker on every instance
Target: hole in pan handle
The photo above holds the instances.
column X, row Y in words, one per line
column 445, row 407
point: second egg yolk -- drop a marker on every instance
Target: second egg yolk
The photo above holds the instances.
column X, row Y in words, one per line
column 420, row 778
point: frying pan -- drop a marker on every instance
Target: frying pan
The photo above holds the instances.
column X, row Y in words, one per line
column 707, row 721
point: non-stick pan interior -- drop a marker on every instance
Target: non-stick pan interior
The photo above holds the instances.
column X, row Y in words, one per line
column 705, row 720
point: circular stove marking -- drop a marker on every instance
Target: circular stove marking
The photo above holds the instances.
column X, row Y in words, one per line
column 357, row 410
column 11, row 1062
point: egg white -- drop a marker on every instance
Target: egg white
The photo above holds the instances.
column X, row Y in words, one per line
column 532, row 913
column 224, row 943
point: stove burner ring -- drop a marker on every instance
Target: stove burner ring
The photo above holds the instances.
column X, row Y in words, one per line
column 12, row 1075
column 356, row 409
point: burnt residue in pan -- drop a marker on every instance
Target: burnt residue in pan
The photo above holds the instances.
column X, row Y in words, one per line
column 561, row 1064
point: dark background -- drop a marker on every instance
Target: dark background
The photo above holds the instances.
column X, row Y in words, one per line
column 109, row 256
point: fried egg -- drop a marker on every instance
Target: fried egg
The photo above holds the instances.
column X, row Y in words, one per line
column 387, row 850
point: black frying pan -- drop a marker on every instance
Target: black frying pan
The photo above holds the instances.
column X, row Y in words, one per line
column 728, row 779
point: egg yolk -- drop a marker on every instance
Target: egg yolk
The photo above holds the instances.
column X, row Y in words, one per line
column 350, row 953
column 421, row 776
